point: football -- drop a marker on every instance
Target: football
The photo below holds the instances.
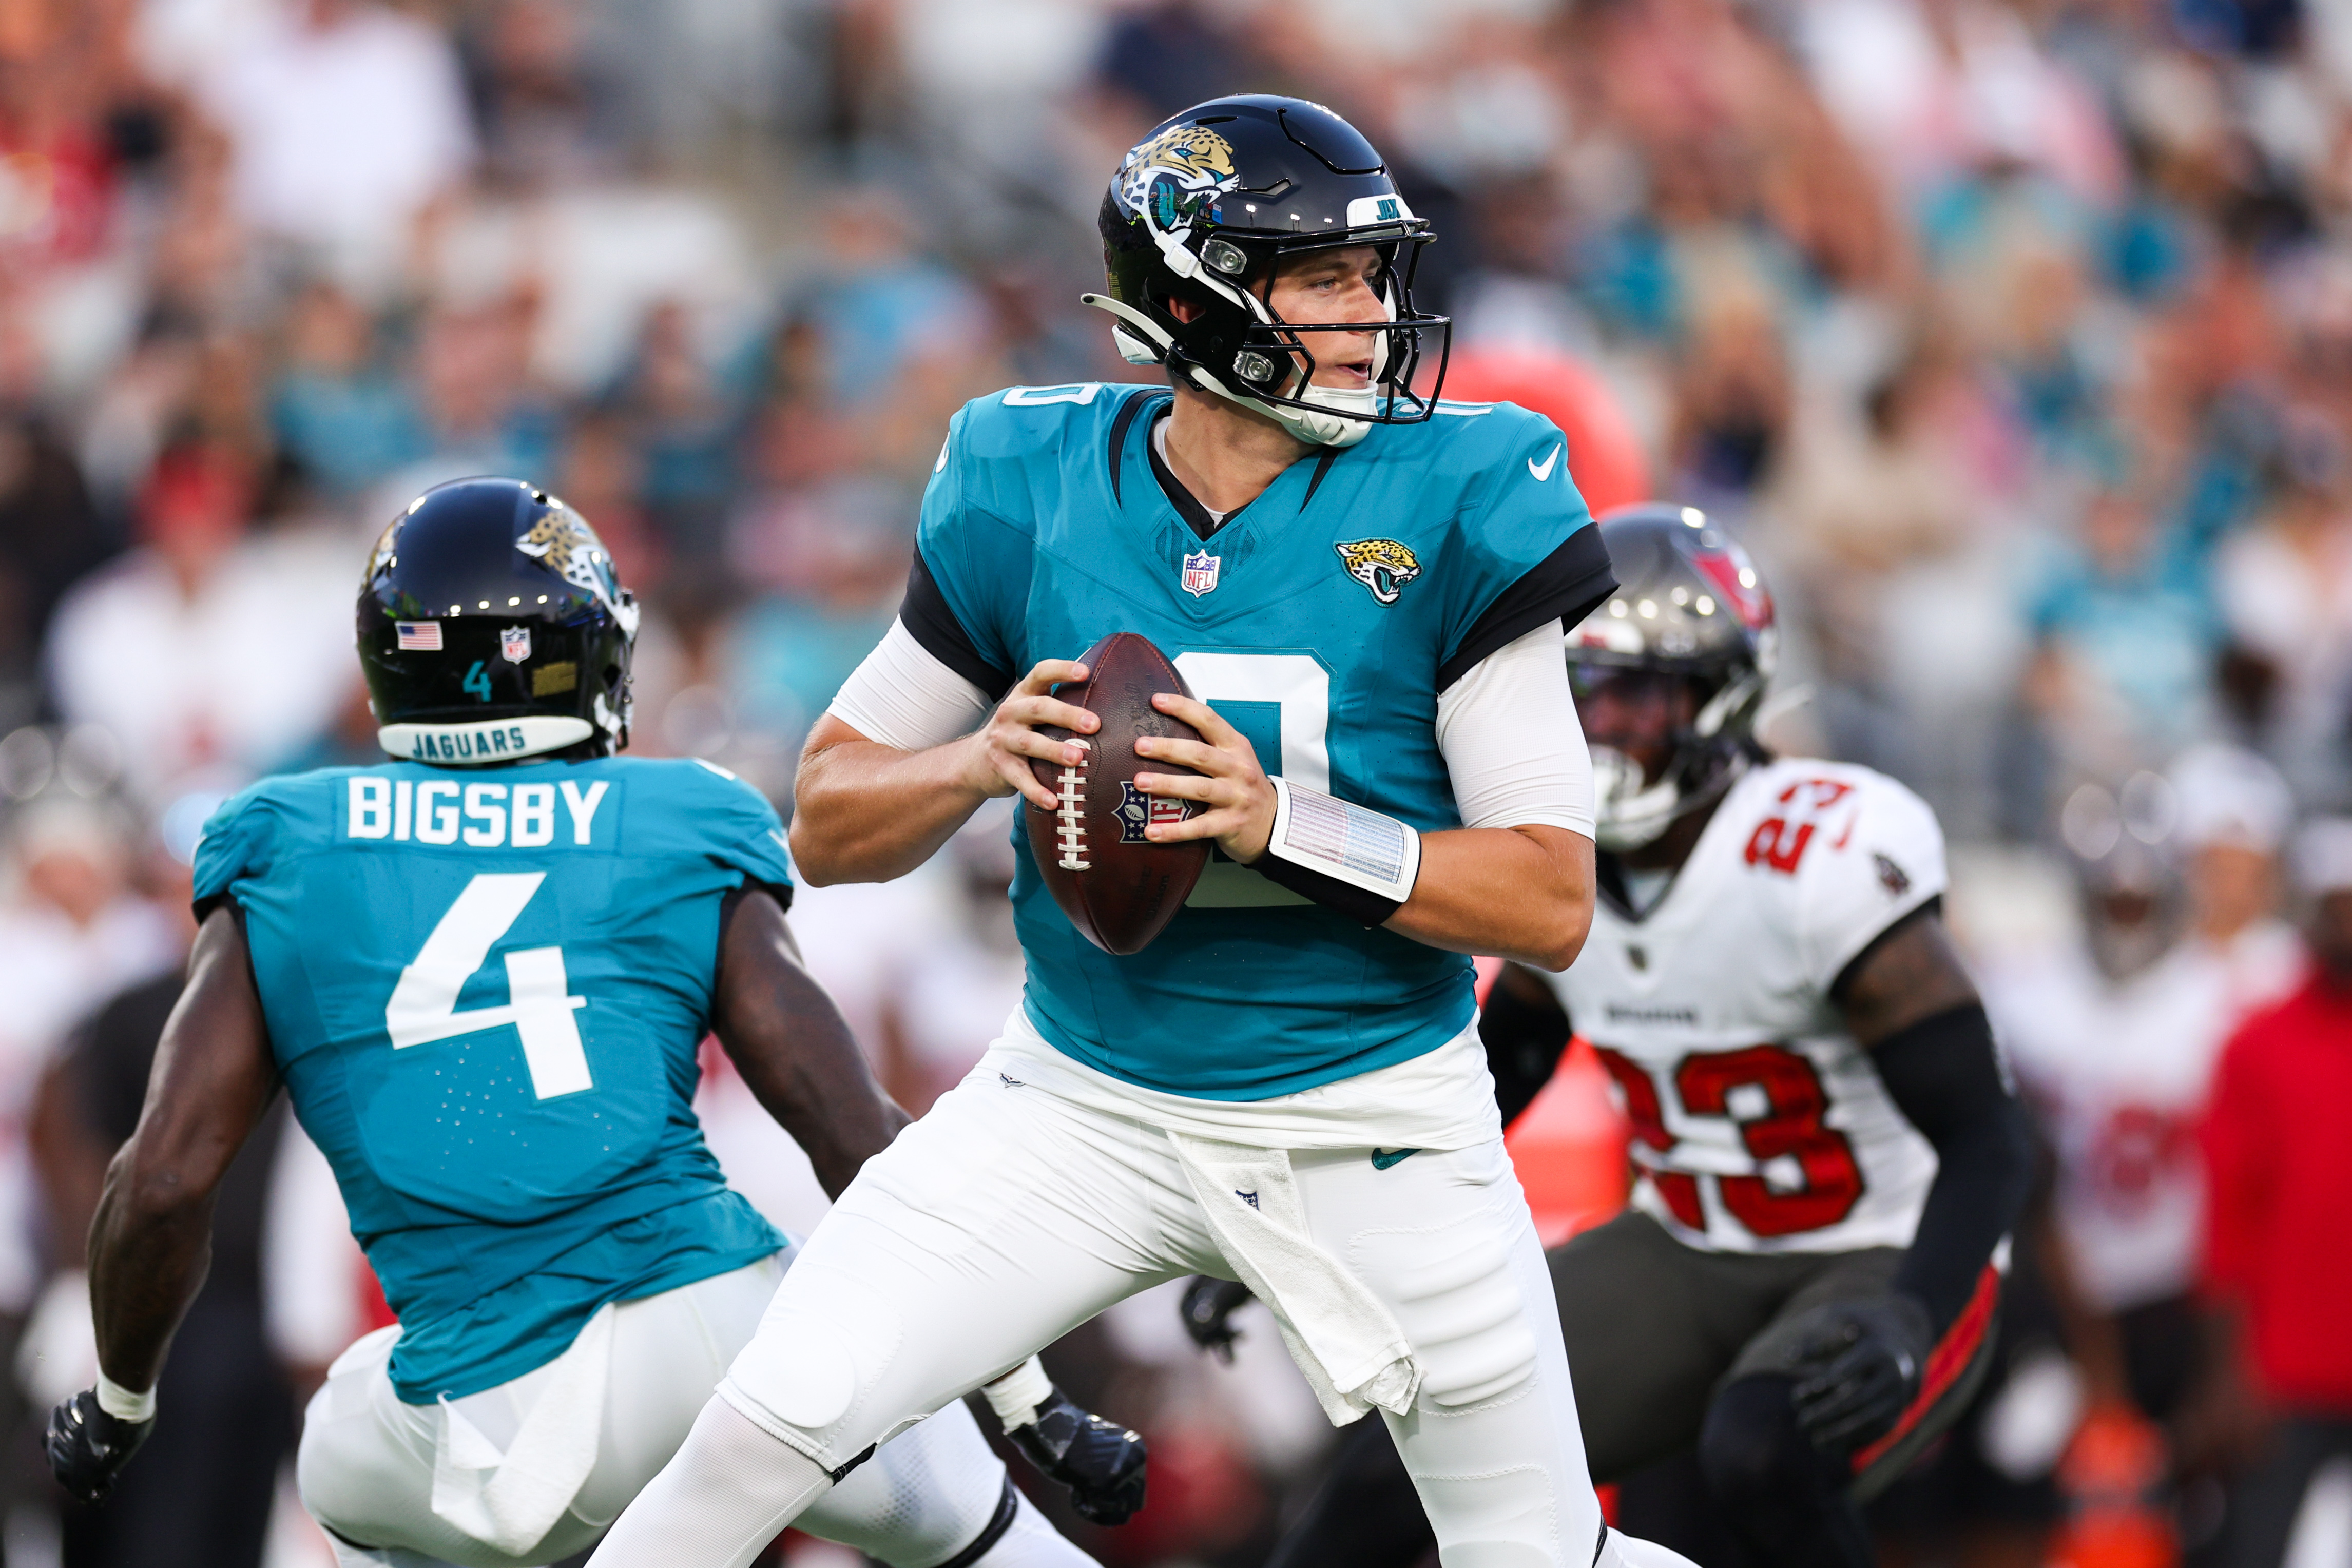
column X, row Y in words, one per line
column 1116, row 885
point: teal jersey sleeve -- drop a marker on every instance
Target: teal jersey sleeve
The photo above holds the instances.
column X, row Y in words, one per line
column 236, row 843
column 1526, row 550
column 745, row 832
column 968, row 589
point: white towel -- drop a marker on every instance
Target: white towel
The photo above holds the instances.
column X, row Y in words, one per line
column 511, row 1500
column 1344, row 1338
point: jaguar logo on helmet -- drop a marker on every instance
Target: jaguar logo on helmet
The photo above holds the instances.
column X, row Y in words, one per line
column 565, row 545
column 1175, row 173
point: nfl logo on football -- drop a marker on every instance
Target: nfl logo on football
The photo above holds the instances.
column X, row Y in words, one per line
column 1200, row 573
column 514, row 644
column 1137, row 812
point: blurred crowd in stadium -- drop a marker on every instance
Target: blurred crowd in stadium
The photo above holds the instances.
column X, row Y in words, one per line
column 2014, row 337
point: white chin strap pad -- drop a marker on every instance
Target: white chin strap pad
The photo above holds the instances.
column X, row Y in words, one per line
column 1627, row 814
column 1142, row 341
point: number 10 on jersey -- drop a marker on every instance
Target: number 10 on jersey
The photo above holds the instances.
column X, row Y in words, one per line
column 424, row 1004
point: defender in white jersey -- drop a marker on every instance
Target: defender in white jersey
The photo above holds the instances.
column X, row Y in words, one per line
column 1761, row 1125
column 1828, row 1154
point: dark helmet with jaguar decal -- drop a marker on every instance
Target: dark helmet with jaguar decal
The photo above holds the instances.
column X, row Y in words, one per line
column 1202, row 209
column 1690, row 635
column 491, row 626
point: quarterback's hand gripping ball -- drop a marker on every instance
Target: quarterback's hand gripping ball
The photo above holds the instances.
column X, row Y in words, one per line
column 87, row 1448
column 1858, row 1369
column 1118, row 888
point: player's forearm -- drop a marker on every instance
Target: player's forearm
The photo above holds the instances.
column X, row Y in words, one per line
column 150, row 1248
column 863, row 811
column 795, row 1051
column 214, row 1079
column 1944, row 1074
column 1978, row 1191
column 1523, row 893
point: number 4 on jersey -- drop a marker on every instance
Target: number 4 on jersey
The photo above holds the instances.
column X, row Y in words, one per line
column 424, row 1005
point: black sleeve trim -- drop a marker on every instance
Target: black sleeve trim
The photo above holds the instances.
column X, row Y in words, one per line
column 728, row 903
column 1943, row 1075
column 925, row 613
column 782, row 891
column 224, row 899
column 1843, row 984
column 1118, row 429
column 1565, row 586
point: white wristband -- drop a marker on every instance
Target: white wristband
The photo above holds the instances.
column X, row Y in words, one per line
column 1345, row 841
column 1016, row 1395
column 121, row 1404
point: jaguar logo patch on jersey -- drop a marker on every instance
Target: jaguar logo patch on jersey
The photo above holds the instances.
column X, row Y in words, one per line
column 1137, row 812
column 1383, row 566
column 1201, row 573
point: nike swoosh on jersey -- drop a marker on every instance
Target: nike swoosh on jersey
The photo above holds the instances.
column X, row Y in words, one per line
column 1383, row 1158
column 1543, row 471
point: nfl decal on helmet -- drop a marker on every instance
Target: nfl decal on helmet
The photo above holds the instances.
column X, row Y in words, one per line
column 1203, row 208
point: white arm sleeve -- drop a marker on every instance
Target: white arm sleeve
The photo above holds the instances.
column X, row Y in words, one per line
column 1508, row 732
column 902, row 696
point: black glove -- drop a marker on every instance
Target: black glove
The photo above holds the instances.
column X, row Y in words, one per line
column 87, row 1448
column 1100, row 1461
column 1208, row 1303
column 1858, row 1366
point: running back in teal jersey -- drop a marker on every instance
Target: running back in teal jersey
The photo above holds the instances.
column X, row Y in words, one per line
column 486, row 988
column 1323, row 620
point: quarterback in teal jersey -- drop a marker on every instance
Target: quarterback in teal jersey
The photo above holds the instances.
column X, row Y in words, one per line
column 1365, row 587
column 484, row 979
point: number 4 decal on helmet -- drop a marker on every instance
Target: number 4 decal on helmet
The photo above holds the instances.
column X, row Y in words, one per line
column 424, row 1004
column 478, row 683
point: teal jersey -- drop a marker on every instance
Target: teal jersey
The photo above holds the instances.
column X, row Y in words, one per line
column 1323, row 620
column 486, row 989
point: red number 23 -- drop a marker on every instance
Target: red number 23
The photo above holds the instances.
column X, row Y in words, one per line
column 1790, row 1127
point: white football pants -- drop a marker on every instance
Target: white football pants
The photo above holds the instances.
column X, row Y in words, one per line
column 1009, row 1216
column 367, row 1459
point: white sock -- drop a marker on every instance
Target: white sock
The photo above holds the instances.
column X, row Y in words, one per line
column 1032, row 1542
column 349, row 1556
column 1632, row 1552
column 718, row 1504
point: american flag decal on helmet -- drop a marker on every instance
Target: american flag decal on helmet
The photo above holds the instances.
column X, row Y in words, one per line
column 418, row 636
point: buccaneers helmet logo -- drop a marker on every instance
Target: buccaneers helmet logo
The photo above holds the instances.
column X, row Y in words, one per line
column 1384, row 566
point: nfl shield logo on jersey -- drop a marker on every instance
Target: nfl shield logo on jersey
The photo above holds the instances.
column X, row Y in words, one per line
column 1201, row 573
column 514, row 644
